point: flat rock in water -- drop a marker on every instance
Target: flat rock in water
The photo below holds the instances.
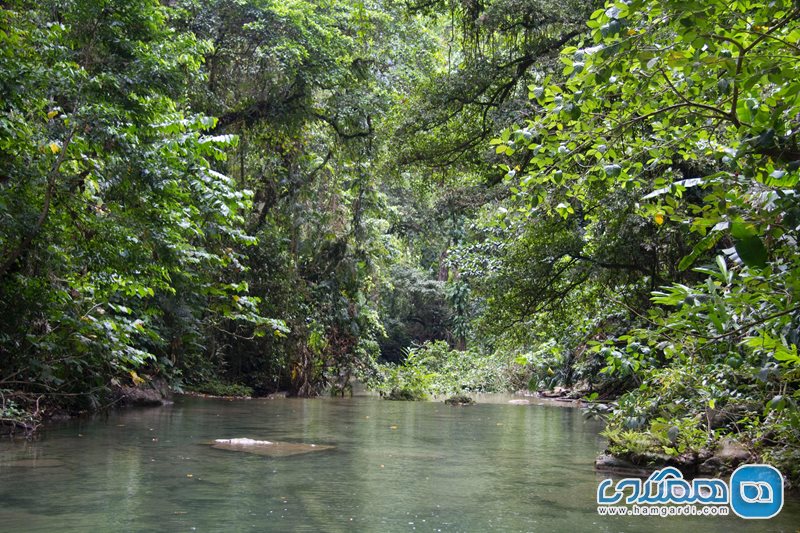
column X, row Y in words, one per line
column 519, row 402
column 266, row 447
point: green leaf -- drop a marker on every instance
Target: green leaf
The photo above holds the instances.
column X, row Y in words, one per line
column 612, row 171
column 752, row 251
column 741, row 230
column 705, row 244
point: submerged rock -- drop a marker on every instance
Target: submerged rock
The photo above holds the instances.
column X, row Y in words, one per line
column 267, row 448
column 459, row 399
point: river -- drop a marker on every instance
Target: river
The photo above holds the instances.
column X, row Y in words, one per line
column 395, row 466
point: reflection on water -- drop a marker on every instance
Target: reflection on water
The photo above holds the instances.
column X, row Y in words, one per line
column 395, row 466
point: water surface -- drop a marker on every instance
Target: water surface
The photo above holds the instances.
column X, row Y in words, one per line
column 396, row 466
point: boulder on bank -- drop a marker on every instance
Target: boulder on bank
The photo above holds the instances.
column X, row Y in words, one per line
column 556, row 392
column 712, row 466
column 153, row 393
column 642, row 464
column 267, row 447
column 617, row 465
column 721, row 460
column 732, row 452
column 724, row 458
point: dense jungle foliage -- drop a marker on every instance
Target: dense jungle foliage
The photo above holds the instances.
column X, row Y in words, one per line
column 428, row 196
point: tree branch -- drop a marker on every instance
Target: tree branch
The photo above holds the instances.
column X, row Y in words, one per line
column 340, row 131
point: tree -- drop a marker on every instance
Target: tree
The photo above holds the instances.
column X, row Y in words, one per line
column 691, row 107
column 110, row 202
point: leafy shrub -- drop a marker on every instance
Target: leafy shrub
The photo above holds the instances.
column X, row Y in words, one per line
column 435, row 369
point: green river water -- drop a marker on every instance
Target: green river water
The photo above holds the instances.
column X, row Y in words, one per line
column 396, row 466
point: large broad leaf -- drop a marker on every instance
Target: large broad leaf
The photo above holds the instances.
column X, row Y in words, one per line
column 752, row 251
column 742, row 230
column 705, row 244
